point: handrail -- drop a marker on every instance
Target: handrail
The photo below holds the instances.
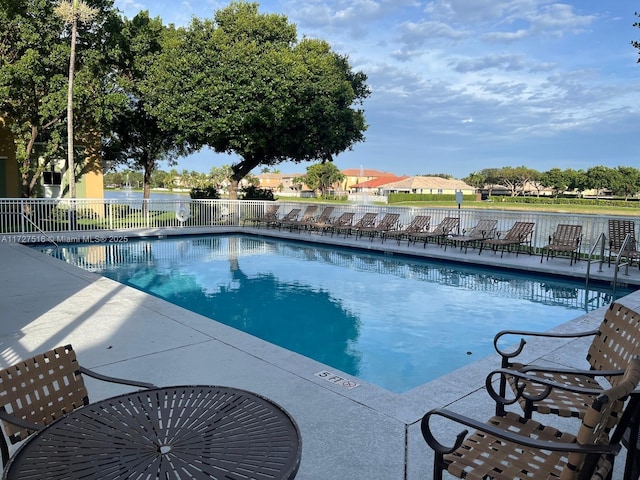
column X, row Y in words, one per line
column 623, row 248
column 600, row 240
column 44, row 234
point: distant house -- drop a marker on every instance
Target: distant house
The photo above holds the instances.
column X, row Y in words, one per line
column 52, row 182
column 355, row 176
column 375, row 186
column 428, row 185
column 282, row 184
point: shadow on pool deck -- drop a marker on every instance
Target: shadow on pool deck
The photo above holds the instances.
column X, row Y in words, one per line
column 359, row 433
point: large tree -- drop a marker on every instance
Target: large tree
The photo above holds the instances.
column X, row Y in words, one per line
column 134, row 135
column 34, row 61
column 244, row 84
column 323, row 177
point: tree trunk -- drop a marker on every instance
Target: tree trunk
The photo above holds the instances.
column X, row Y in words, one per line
column 71, row 163
column 146, row 186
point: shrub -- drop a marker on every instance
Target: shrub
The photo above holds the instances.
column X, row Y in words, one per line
column 204, row 193
column 252, row 192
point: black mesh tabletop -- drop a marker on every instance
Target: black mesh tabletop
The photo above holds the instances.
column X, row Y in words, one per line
column 193, row 432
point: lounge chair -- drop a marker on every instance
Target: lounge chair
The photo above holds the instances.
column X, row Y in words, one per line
column 444, row 228
column 270, row 215
column 290, row 216
column 509, row 446
column 613, row 343
column 346, row 219
column 366, row 221
column 307, row 216
column 322, row 219
column 483, row 230
column 388, row 222
column 419, row 223
column 566, row 239
column 520, row 234
column 619, row 232
column 39, row 390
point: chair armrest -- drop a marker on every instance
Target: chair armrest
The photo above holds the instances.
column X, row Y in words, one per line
column 106, row 378
column 7, row 417
column 502, row 434
column 550, row 385
column 524, row 333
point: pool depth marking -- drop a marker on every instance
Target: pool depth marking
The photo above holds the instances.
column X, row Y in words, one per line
column 337, row 379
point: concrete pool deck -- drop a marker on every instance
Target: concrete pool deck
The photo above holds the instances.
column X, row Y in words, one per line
column 356, row 433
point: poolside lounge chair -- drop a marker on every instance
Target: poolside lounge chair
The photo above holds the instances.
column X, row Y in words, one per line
column 344, row 220
column 520, row 234
column 508, row 446
column 290, row 216
column 39, row 390
column 270, row 215
column 483, row 230
column 444, row 228
column 388, row 222
column 619, row 232
column 307, row 216
column 419, row 223
column 322, row 219
column 366, row 221
column 566, row 239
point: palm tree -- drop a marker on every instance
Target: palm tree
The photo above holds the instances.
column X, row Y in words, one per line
column 72, row 12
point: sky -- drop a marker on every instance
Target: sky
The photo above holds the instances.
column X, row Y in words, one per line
column 462, row 85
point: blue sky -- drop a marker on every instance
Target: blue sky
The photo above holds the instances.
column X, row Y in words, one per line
column 462, row 85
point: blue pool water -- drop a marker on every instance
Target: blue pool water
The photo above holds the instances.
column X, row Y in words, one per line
column 392, row 321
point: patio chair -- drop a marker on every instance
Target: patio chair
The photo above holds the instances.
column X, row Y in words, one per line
column 323, row 219
column 388, row 222
column 419, row 223
column 270, row 215
column 619, row 231
column 290, row 216
column 483, row 230
column 444, row 228
column 307, row 216
column 344, row 220
column 509, row 447
column 614, row 341
column 520, row 234
column 367, row 220
column 41, row 389
column 566, row 239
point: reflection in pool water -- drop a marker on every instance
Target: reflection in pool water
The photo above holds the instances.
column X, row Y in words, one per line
column 393, row 321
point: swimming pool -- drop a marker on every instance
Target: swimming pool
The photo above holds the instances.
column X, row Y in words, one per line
column 392, row 321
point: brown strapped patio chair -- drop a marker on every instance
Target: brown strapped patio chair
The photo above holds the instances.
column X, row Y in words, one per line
column 566, row 239
column 388, row 222
column 484, row 229
column 290, row 216
column 439, row 233
column 520, row 234
column 344, row 220
column 323, row 219
column 619, row 232
column 509, row 447
column 367, row 220
column 41, row 389
column 270, row 215
column 614, row 342
column 419, row 223
column 307, row 216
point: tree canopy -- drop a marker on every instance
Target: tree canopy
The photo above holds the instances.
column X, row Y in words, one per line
column 242, row 83
column 34, row 61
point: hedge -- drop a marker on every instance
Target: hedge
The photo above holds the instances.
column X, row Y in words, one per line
column 427, row 197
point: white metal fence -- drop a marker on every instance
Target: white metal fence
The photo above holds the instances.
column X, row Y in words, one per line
column 31, row 216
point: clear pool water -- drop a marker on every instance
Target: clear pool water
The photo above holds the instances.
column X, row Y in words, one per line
column 392, row 321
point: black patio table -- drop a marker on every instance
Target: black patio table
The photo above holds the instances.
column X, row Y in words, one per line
column 185, row 432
